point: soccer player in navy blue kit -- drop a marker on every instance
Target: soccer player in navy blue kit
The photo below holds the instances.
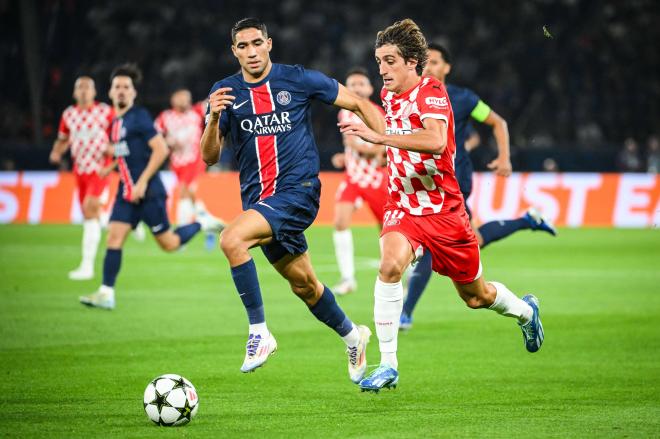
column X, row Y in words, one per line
column 265, row 108
column 139, row 152
column 467, row 105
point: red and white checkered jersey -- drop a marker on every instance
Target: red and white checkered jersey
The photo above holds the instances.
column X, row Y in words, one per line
column 361, row 170
column 186, row 129
column 87, row 131
column 421, row 183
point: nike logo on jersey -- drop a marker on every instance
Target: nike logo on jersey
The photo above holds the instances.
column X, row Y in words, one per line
column 158, row 228
column 237, row 106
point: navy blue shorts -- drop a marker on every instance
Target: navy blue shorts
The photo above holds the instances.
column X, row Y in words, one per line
column 289, row 213
column 151, row 210
column 464, row 177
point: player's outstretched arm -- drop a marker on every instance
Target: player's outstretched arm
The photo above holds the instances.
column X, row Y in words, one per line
column 362, row 107
column 431, row 139
column 502, row 164
column 212, row 138
column 60, row 146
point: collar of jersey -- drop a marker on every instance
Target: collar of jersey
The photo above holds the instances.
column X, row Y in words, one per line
column 262, row 82
column 406, row 93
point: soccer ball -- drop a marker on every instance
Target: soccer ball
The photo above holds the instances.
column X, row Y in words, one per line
column 170, row 400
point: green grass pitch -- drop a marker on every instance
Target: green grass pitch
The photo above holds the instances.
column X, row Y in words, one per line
column 69, row 371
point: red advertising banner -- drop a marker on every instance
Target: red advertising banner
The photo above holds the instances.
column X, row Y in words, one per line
column 573, row 200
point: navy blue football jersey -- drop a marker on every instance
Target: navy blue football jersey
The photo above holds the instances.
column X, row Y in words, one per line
column 130, row 135
column 271, row 128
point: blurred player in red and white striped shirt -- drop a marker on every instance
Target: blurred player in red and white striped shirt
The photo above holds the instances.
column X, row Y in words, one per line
column 83, row 127
column 425, row 211
column 365, row 180
column 182, row 126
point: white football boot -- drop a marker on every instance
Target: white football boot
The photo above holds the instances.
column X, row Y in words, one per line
column 209, row 223
column 257, row 351
column 84, row 272
column 103, row 298
column 357, row 356
column 344, row 287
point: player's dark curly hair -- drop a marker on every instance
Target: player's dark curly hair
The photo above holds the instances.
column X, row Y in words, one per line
column 446, row 54
column 128, row 69
column 247, row 23
column 408, row 38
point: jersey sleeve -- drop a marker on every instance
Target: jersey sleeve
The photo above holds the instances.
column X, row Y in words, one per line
column 146, row 126
column 319, row 86
column 63, row 131
column 223, row 123
column 159, row 124
column 433, row 102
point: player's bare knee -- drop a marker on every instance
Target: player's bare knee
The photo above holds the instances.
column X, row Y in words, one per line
column 168, row 244
column 114, row 240
column 305, row 290
column 390, row 270
column 91, row 209
column 231, row 243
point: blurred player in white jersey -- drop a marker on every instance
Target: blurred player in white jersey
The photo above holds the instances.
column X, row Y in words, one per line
column 83, row 127
column 365, row 180
column 425, row 212
column 182, row 127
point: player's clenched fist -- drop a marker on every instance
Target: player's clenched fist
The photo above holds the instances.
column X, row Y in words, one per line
column 220, row 99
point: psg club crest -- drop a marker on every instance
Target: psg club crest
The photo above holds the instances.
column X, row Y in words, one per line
column 284, row 97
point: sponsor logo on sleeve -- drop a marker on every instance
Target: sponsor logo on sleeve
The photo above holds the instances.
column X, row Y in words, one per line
column 432, row 101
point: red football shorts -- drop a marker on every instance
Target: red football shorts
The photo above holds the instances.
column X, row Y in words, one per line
column 90, row 185
column 374, row 197
column 448, row 236
column 187, row 174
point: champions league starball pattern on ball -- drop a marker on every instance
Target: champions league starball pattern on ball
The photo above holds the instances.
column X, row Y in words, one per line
column 170, row 400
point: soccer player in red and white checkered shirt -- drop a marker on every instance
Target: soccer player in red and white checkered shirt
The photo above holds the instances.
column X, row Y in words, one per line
column 83, row 128
column 365, row 180
column 425, row 210
column 182, row 127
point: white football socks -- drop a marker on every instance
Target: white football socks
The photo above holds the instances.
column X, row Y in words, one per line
column 185, row 212
column 259, row 329
column 510, row 305
column 90, row 242
column 388, row 304
column 344, row 251
column 352, row 339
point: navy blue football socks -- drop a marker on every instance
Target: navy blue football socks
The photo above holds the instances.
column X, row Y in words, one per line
column 111, row 266
column 187, row 232
column 496, row 230
column 328, row 312
column 247, row 285
column 417, row 282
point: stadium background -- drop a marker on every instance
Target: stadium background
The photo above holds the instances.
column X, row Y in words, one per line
column 575, row 97
column 587, row 98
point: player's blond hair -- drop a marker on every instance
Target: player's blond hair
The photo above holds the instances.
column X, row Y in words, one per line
column 408, row 38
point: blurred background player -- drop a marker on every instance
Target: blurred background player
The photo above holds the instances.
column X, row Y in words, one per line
column 140, row 152
column 83, row 127
column 265, row 108
column 466, row 105
column 425, row 212
column 182, row 127
column 365, row 179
